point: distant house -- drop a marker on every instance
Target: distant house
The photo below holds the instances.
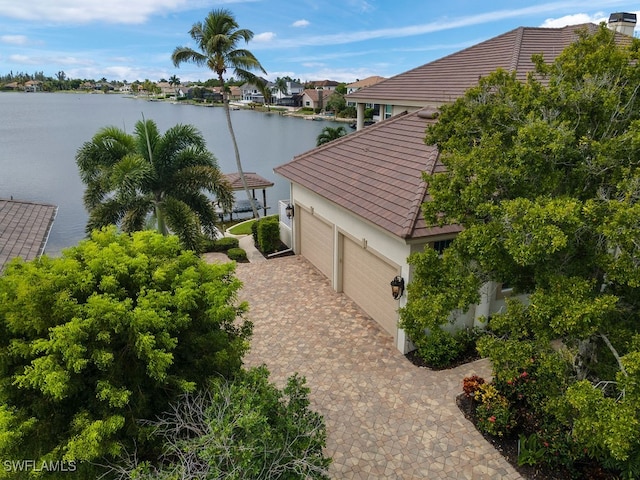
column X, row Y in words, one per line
column 289, row 98
column 315, row 98
column 251, row 92
column 365, row 82
column 33, row 86
column 323, row 84
column 356, row 201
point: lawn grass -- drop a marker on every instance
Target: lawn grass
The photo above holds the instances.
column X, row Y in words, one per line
column 244, row 228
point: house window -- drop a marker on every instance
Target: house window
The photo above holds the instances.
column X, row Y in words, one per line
column 441, row 245
column 307, row 103
column 388, row 111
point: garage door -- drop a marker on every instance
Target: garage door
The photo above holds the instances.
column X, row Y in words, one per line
column 316, row 242
column 366, row 280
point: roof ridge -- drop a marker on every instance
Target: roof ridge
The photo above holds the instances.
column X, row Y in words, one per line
column 513, row 66
column 416, row 205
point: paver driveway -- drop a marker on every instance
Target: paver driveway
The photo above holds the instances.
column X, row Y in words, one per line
column 386, row 418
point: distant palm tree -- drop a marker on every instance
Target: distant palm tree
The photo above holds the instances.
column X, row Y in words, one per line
column 329, row 134
column 265, row 90
column 281, row 85
column 218, row 38
column 134, row 179
column 174, row 81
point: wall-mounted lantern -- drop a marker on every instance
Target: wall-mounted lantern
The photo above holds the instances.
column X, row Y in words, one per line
column 289, row 211
column 397, row 287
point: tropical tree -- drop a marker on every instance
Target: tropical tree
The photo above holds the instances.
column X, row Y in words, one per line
column 544, row 178
column 174, row 81
column 218, row 39
column 280, row 85
column 336, row 103
column 265, row 90
column 329, row 134
column 109, row 334
column 246, row 428
column 166, row 179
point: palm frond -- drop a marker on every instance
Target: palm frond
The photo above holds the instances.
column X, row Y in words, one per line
column 183, row 222
column 135, row 218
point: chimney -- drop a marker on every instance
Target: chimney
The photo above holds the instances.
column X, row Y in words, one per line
column 623, row 23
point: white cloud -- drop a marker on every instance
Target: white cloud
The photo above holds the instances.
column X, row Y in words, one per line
column 441, row 24
column 81, row 11
column 301, row 23
column 14, row 39
column 24, row 60
column 575, row 19
column 264, row 37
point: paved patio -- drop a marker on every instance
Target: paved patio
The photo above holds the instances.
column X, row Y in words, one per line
column 386, row 418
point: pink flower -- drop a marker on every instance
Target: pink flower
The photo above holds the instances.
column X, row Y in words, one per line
column 524, row 374
column 492, row 419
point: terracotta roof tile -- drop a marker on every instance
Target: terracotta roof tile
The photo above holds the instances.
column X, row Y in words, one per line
column 448, row 78
column 24, row 229
column 253, row 180
column 374, row 173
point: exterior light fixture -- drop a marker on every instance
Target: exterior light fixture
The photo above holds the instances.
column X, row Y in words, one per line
column 397, row 287
column 289, row 210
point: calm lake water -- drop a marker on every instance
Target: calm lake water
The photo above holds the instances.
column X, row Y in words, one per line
column 41, row 132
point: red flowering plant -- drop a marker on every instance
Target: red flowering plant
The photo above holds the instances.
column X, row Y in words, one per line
column 495, row 416
column 470, row 385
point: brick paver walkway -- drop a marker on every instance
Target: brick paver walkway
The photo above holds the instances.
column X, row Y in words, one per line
column 386, row 418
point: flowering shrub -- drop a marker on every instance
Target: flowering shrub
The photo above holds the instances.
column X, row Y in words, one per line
column 470, row 385
column 495, row 416
column 485, row 393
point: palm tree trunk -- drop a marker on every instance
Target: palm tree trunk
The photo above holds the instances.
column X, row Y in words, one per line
column 227, row 111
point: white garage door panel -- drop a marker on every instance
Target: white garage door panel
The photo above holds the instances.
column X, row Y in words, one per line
column 365, row 279
column 316, row 242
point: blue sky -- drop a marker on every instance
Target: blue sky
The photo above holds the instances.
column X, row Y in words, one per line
column 341, row 40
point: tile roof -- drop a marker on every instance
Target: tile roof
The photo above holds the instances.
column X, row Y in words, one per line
column 446, row 79
column 253, row 180
column 366, row 82
column 24, row 229
column 375, row 174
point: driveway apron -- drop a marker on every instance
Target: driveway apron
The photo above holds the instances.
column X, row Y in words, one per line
column 385, row 417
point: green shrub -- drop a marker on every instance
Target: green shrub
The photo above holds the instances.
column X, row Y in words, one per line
column 254, row 232
column 237, row 254
column 495, row 417
column 268, row 235
column 224, row 244
column 440, row 349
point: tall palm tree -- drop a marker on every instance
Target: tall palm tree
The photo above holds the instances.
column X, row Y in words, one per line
column 134, row 179
column 280, row 86
column 174, row 81
column 218, row 38
column 329, row 134
column 265, row 90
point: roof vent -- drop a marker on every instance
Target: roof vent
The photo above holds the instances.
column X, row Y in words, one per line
column 623, row 23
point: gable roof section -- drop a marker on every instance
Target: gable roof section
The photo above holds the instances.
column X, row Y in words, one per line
column 253, row 180
column 447, row 78
column 24, row 229
column 375, row 173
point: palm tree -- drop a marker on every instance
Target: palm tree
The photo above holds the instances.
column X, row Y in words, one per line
column 280, row 86
column 328, row 134
column 174, row 81
column 164, row 179
column 265, row 90
column 218, row 38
